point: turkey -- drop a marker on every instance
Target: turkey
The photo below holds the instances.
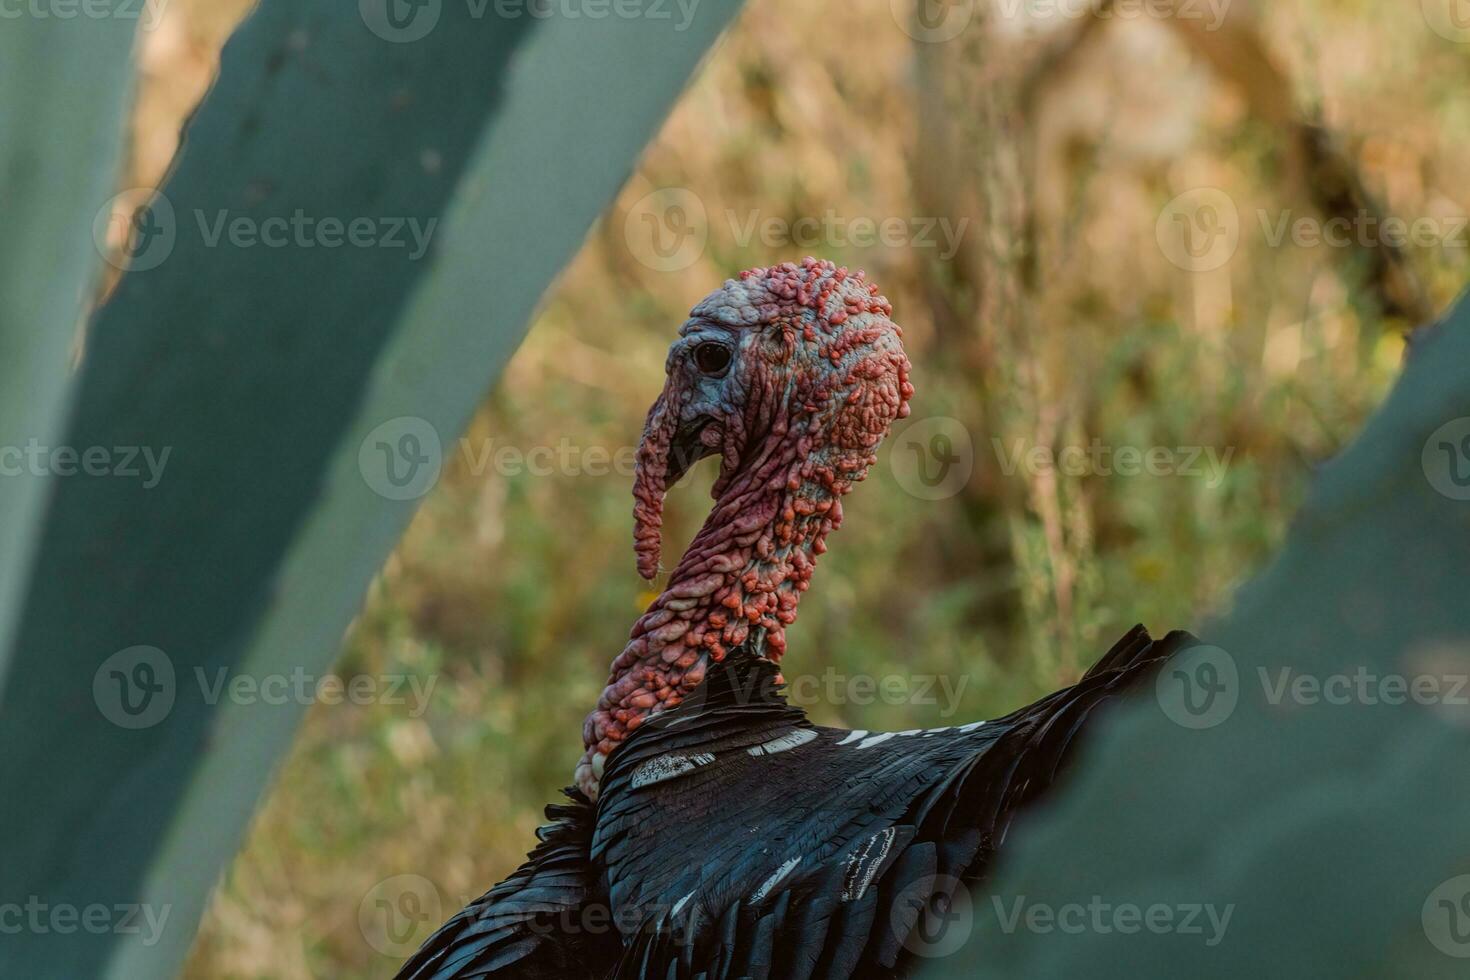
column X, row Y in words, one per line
column 713, row 831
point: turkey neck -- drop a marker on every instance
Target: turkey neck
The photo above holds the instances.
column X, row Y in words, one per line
column 741, row 578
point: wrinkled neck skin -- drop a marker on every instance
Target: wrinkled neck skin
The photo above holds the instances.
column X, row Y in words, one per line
column 817, row 376
column 746, row 569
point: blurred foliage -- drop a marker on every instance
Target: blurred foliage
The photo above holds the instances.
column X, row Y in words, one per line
column 1322, row 836
column 1058, row 322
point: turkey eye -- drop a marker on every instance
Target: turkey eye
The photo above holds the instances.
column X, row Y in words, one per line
column 712, row 358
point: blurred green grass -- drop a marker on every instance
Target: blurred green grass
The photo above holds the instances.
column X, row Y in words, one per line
column 512, row 591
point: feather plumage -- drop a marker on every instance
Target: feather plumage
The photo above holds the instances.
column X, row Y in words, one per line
column 816, row 860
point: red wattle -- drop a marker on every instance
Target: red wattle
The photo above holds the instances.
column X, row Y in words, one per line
column 819, row 387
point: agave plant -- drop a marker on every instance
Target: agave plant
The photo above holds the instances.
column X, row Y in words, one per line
column 266, row 377
column 1293, row 801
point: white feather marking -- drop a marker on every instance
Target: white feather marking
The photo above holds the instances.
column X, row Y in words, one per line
column 865, row 739
column 774, row 880
column 668, row 767
column 790, row 740
column 679, row 905
column 863, row 864
column 971, row 726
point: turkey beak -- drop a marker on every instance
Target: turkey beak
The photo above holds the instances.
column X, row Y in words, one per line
column 671, row 445
column 686, row 449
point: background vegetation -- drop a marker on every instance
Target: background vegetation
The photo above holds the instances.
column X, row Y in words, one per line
column 1058, row 320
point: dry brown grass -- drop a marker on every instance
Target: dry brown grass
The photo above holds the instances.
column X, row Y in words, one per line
column 1058, row 320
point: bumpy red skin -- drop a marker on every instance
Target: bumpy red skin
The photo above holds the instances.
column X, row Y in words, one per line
column 821, row 377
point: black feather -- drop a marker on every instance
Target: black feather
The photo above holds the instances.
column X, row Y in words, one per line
column 735, row 839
